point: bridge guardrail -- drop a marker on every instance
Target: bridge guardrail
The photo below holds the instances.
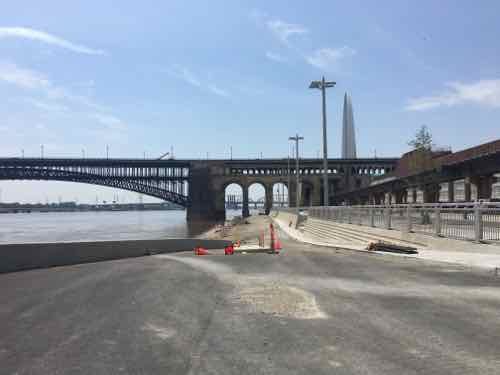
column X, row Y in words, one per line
column 474, row 221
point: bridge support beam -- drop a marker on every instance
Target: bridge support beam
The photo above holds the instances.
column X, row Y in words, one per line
column 246, row 210
column 206, row 199
column 269, row 199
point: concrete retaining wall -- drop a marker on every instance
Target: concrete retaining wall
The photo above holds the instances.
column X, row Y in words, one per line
column 17, row 257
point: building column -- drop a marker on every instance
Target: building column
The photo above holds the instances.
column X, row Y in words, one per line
column 467, row 189
column 484, row 187
column 269, row 199
column 245, row 210
column 371, row 198
column 316, row 196
column 451, row 191
column 431, row 193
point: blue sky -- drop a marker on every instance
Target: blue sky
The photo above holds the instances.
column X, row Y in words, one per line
column 201, row 76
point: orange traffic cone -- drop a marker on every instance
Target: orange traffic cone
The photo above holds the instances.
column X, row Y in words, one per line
column 277, row 246
column 200, row 251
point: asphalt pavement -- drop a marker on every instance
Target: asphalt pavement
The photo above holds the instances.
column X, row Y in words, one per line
column 309, row 310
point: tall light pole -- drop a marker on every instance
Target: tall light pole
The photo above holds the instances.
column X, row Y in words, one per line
column 107, row 151
column 323, row 85
column 297, row 189
column 41, row 151
column 288, row 177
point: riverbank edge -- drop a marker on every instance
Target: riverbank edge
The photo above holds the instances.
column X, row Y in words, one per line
column 22, row 257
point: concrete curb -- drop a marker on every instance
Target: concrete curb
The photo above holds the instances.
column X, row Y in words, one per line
column 18, row 257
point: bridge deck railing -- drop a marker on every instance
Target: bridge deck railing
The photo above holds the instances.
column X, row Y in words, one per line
column 475, row 221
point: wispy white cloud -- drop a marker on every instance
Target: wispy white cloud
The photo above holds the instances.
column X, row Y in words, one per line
column 218, row 91
column 48, row 107
column 54, row 98
column 276, row 57
column 186, row 75
column 42, row 36
column 283, row 31
column 329, row 58
column 485, row 92
column 24, row 78
column 109, row 121
column 324, row 58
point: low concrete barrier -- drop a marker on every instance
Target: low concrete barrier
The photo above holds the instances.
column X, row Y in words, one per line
column 17, row 257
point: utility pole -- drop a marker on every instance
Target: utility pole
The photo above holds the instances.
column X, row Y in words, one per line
column 323, row 85
column 288, row 177
column 107, row 151
column 231, row 152
column 22, row 153
column 41, row 151
column 297, row 138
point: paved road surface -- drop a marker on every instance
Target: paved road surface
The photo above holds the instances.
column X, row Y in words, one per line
column 308, row 311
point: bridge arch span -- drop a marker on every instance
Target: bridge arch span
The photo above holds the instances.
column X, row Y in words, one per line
column 168, row 189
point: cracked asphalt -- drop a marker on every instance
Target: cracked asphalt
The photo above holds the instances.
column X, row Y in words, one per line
column 309, row 310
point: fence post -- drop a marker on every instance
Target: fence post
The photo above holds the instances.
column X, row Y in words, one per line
column 478, row 223
column 408, row 217
column 388, row 218
column 437, row 222
column 372, row 217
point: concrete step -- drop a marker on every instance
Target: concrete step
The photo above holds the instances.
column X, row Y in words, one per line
column 361, row 233
column 326, row 228
column 367, row 231
column 347, row 232
column 327, row 233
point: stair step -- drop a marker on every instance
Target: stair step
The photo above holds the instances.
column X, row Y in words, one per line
column 349, row 232
column 353, row 232
column 347, row 235
column 323, row 233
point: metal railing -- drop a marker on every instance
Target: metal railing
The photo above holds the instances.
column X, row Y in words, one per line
column 475, row 221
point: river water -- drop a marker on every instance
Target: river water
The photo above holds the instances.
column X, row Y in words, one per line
column 97, row 226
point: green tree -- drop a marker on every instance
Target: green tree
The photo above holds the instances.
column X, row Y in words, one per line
column 422, row 140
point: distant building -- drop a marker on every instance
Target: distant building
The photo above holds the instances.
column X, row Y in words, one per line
column 348, row 135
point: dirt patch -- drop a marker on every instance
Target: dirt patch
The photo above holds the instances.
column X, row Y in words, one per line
column 280, row 300
column 162, row 333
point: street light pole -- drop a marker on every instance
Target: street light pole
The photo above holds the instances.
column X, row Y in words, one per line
column 288, row 177
column 297, row 138
column 323, row 85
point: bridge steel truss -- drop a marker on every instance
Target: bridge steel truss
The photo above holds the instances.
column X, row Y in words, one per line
column 164, row 179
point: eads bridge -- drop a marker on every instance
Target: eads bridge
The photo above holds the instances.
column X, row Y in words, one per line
column 199, row 185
